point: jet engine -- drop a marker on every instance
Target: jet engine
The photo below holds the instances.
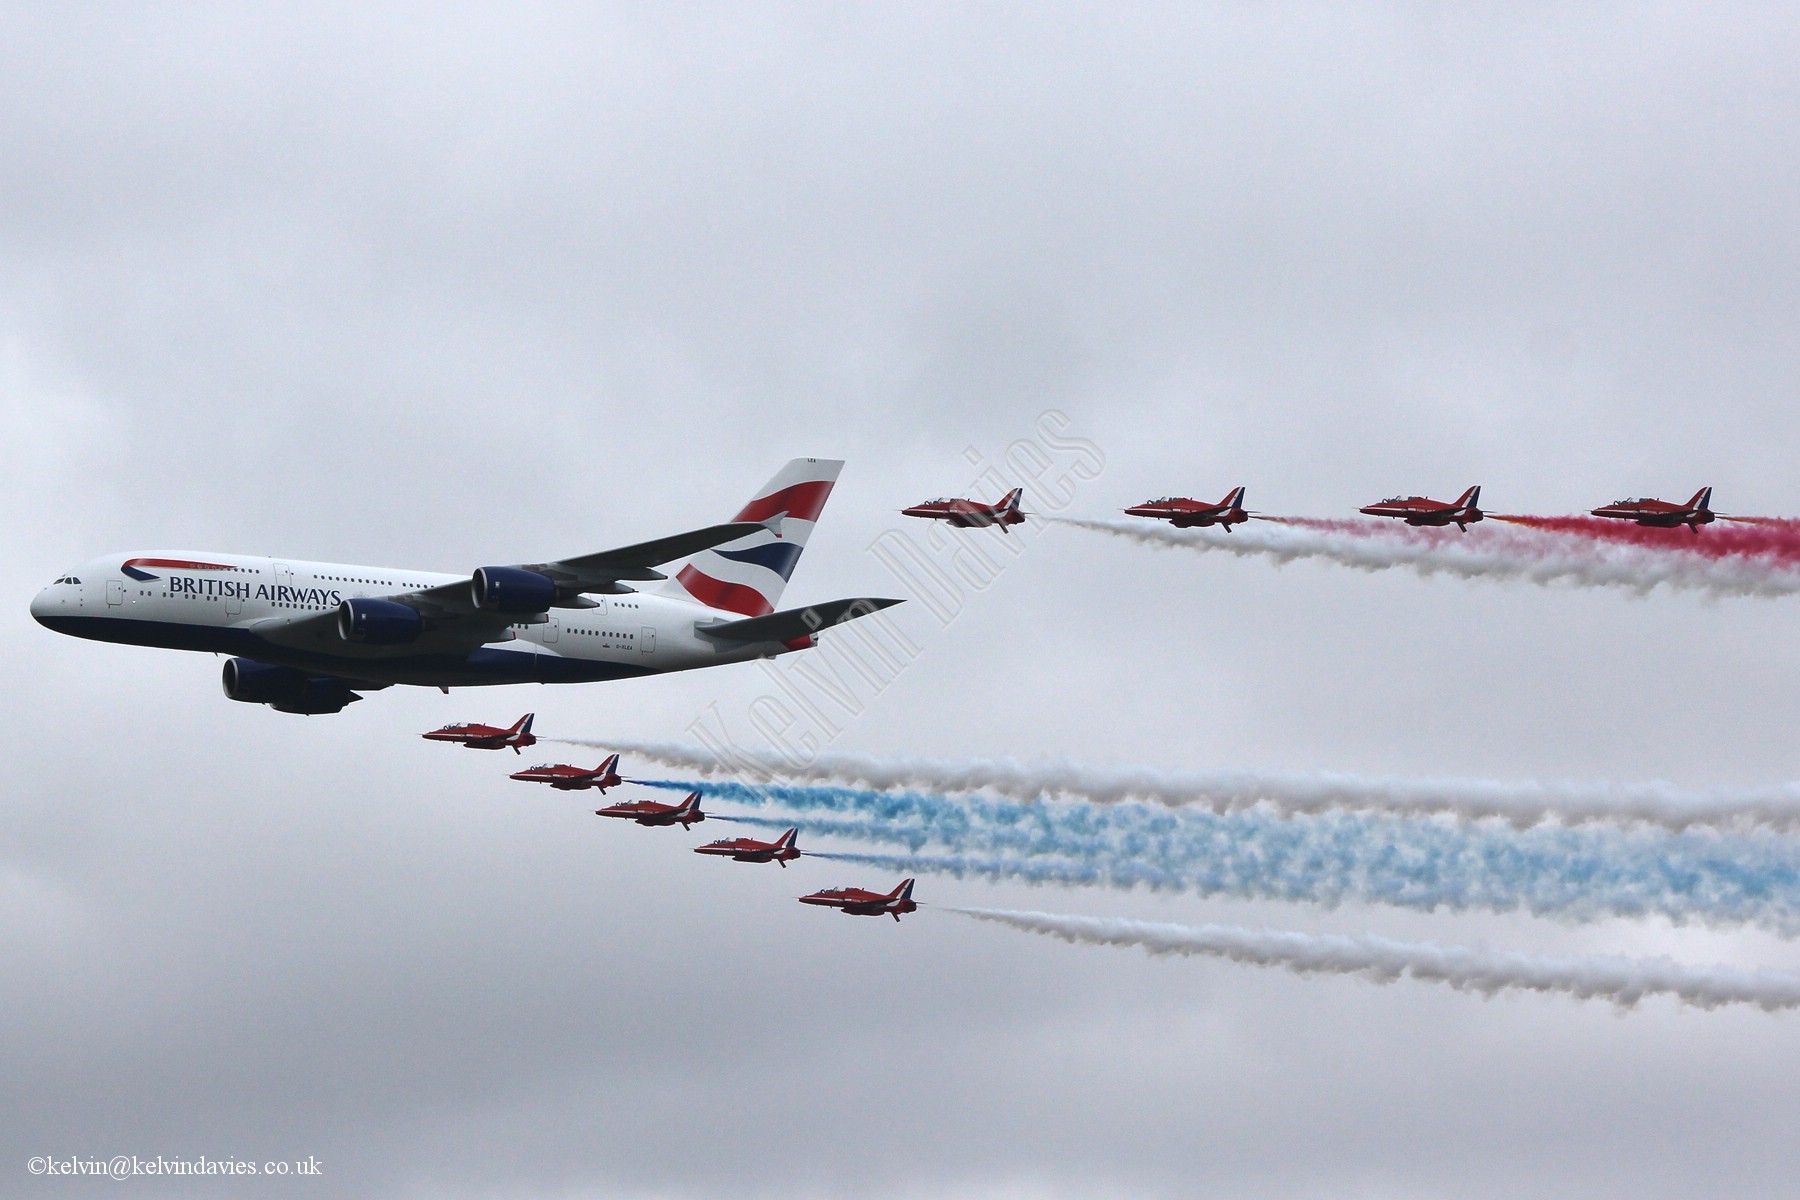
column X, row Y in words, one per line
column 378, row 622
column 511, row 590
column 285, row 689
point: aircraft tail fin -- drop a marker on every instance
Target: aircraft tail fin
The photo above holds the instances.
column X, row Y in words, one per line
column 786, row 841
column 747, row 576
column 1702, row 499
column 1234, row 500
column 1470, row 499
column 903, row 892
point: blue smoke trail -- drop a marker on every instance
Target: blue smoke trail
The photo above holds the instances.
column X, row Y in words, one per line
column 1576, row 873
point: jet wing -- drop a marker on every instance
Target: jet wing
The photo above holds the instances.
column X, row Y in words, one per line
column 635, row 562
column 452, row 622
column 791, row 623
column 445, row 633
column 601, row 572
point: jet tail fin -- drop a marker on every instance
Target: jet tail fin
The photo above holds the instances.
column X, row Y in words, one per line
column 1702, row 500
column 1469, row 499
column 1234, row 500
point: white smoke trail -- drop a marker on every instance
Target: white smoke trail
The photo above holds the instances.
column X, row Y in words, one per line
column 1486, row 552
column 1290, row 793
column 1624, row 981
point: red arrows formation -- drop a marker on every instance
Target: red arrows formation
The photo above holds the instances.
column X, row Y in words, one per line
column 1186, row 512
column 1643, row 514
column 854, row 901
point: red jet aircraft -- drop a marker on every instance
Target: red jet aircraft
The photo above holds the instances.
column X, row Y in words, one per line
column 782, row 850
column 1421, row 510
column 487, row 737
column 654, row 812
column 565, row 778
column 970, row 514
column 1661, row 514
column 861, row 903
column 1184, row 513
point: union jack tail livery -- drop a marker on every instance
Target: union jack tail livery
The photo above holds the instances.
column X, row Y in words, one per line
column 748, row 575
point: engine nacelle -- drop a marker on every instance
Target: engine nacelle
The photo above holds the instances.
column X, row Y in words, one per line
column 511, row 590
column 379, row 622
column 284, row 689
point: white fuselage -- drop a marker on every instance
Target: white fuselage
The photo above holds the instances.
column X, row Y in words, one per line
column 279, row 611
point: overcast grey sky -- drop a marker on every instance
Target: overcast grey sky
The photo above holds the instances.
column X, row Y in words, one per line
column 441, row 286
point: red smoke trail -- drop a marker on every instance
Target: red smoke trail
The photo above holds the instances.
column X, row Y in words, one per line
column 1740, row 561
column 1779, row 543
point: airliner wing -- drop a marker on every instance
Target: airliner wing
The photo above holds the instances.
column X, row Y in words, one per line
column 446, row 632
column 453, row 622
column 600, row 572
column 636, row 562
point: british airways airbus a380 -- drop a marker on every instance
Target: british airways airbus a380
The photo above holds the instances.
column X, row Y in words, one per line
column 309, row 636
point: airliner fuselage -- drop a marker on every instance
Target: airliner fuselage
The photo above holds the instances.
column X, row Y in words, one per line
column 271, row 611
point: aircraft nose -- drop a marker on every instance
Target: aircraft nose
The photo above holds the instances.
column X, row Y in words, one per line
column 49, row 604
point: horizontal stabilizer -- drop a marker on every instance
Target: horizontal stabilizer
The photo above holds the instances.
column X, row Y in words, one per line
column 791, row 623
